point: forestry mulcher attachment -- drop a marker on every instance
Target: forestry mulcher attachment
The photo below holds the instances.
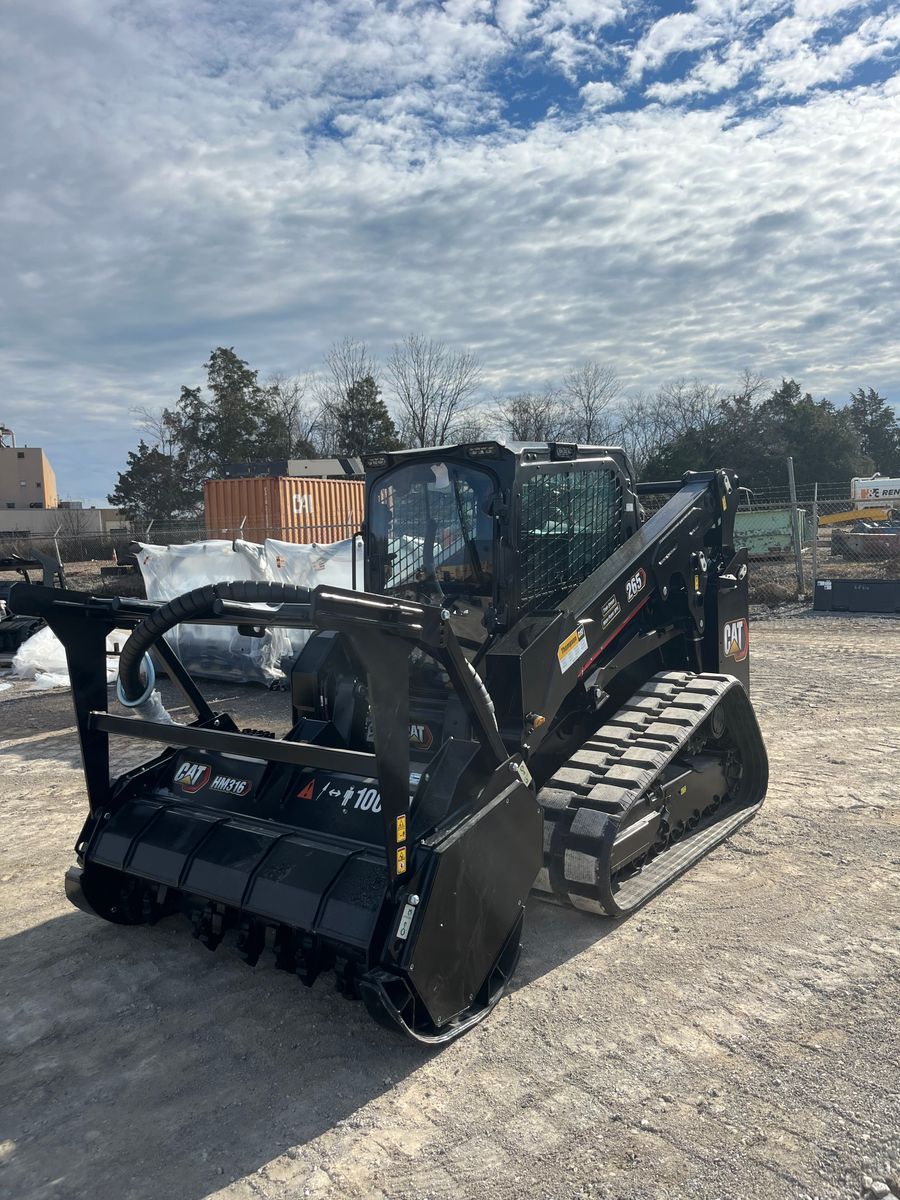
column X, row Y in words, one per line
column 541, row 686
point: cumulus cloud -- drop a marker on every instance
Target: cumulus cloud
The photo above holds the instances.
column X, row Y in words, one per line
column 806, row 66
column 600, row 94
column 177, row 177
column 763, row 45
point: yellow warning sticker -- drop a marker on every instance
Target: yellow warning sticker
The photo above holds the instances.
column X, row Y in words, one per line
column 401, row 829
column 401, row 859
column 572, row 649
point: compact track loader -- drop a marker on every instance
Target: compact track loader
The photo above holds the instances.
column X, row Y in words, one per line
column 540, row 688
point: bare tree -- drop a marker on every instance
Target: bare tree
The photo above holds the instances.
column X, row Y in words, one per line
column 433, row 386
column 689, row 406
column 347, row 363
column 475, row 425
column 589, row 391
column 750, row 387
column 534, row 416
column 643, row 427
column 158, row 427
column 294, row 421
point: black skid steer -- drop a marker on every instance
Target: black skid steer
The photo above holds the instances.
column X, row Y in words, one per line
column 540, row 688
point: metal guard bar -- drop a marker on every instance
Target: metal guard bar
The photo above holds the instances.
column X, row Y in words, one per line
column 300, row 754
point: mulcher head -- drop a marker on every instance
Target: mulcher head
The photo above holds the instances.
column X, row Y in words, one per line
column 408, row 879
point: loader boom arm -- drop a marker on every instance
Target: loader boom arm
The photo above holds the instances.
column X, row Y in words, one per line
column 677, row 561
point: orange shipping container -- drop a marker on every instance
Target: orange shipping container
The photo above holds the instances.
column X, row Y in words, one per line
column 291, row 508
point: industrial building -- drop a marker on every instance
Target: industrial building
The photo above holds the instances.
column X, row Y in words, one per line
column 26, row 478
column 30, row 506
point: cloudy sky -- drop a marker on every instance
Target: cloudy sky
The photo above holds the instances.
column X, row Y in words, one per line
column 674, row 189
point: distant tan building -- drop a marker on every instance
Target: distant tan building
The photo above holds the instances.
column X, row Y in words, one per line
column 26, row 478
column 29, row 503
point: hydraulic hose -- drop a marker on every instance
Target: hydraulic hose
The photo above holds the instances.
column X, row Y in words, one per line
column 192, row 605
column 476, row 678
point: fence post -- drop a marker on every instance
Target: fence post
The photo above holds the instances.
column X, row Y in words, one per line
column 815, row 536
column 795, row 527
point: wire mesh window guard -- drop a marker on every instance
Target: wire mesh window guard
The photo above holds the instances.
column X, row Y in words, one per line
column 571, row 523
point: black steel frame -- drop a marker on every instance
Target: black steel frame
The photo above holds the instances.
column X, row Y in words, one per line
column 381, row 632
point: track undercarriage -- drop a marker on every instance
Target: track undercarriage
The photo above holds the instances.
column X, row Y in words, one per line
column 672, row 774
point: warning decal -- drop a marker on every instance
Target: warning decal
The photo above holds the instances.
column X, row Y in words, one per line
column 572, row 649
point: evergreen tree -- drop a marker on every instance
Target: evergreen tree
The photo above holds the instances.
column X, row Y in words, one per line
column 152, row 487
column 360, row 421
column 228, row 424
column 755, row 439
column 875, row 424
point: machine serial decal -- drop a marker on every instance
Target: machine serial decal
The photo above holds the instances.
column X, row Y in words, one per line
column 636, row 584
column 572, row 649
column 193, row 776
column 736, row 639
column 610, row 610
column 231, row 786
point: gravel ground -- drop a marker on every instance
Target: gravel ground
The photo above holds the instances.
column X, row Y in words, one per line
column 738, row 1038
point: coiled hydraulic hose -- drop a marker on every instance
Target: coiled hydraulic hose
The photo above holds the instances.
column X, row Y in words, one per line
column 192, row 605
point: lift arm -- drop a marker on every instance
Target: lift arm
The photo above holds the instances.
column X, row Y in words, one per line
column 671, row 560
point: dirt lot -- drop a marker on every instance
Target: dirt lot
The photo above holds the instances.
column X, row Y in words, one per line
column 738, row 1038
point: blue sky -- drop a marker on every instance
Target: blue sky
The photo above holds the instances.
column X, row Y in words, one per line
column 672, row 189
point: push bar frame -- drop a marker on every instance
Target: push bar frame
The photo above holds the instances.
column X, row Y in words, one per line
column 381, row 632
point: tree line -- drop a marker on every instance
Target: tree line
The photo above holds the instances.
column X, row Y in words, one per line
column 426, row 393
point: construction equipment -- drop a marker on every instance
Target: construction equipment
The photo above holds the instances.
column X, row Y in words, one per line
column 14, row 630
column 867, row 540
column 875, row 491
column 540, row 686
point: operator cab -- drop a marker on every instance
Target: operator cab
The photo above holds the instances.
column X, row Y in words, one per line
column 491, row 531
column 431, row 539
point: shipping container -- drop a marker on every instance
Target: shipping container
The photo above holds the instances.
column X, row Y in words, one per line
column 289, row 508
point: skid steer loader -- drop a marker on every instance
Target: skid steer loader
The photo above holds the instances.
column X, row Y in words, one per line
column 541, row 687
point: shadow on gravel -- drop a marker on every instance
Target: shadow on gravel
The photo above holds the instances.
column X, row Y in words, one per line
column 553, row 935
column 137, row 1064
column 35, row 712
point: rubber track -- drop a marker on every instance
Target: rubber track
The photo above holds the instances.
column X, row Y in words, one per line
column 588, row 800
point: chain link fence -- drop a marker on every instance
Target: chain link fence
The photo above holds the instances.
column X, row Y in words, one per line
column 791, row 541
column 113, row 544
column 819, row 534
